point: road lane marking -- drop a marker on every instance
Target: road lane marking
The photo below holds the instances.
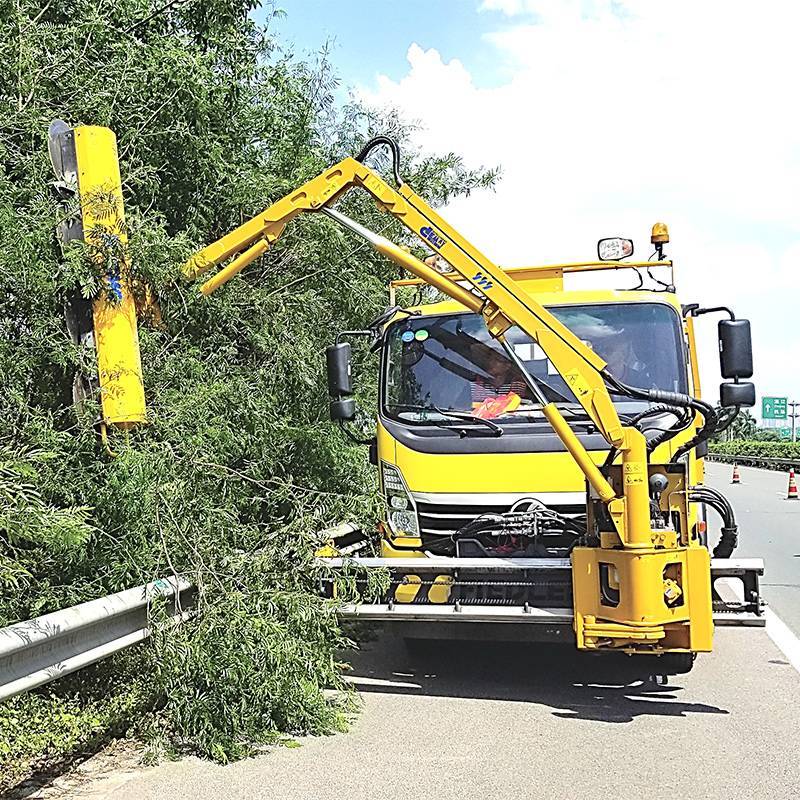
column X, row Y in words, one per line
column 785, row 639
column 359, row 680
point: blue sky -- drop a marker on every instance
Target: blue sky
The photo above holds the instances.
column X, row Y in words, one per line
column 605, row 116
column 372, row 37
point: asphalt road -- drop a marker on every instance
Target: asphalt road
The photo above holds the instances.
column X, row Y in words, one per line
column 769, row 528
column 494, row 721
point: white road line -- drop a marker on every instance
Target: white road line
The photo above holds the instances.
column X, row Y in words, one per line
column 358, row 680
column 782, row 635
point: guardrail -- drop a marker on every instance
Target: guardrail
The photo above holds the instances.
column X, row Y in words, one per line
column 41, row 650
column 756, row 461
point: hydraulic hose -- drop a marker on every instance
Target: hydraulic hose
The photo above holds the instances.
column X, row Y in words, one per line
column 729, row 536
column 392, row 145
column 507, row 520
column 658, row 395
column 708, row 412
column 485, row 521
column 725, row 422
column 704, row 434
column 683, row 420
column 648, row 412
column 666, row 402
column 612, row 454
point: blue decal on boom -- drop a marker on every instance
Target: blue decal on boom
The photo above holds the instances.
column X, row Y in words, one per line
column 115, row 284
column 430, row 236
column 482, row 281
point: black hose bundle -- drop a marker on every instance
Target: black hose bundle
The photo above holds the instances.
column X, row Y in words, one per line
column 683, row 418
column 713, row 498
column 393, row 147
column 714, row 422
column 512, row 521
column 633, row 421
column 482, row 523
column 711, row 419
column 708, row 430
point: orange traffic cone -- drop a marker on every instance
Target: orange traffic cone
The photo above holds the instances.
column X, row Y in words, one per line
column 735, row 476
column 791, row 494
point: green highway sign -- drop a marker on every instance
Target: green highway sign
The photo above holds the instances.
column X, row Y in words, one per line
column 773, row 408
column 785, row 433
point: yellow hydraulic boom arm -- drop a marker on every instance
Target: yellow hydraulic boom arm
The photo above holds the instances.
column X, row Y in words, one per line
column 644, row 564
column 494, row 295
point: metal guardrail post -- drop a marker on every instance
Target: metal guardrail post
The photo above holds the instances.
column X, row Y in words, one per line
column 41, row 650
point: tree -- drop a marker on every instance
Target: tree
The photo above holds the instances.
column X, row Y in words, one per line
column 237, row 467
column 744, row 426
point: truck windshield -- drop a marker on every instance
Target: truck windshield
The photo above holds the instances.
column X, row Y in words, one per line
column 451, row 363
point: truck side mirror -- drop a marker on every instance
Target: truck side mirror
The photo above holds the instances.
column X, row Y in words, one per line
column 737, row 394
column 338, row 362
column 735, row 349
column 342, row 410
column 340, row 386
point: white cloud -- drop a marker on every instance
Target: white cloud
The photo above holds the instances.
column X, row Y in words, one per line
column 619, row 114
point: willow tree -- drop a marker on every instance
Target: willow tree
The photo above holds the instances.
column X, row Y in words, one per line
column 237, row 466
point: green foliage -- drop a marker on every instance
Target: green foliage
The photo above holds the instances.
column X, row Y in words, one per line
column 763, row 449
column 240, row 689
column 76, row 715
column 36, row 533
column 744, row 426
column 766, row 435
column 238, row 467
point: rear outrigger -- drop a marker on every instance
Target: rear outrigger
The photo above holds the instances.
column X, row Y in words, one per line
column 540, row 450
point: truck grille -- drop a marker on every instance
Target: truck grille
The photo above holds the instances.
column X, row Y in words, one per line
column 439, row 519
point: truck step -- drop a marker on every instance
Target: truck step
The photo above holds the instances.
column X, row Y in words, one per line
column 407, row 612
column 527, row 590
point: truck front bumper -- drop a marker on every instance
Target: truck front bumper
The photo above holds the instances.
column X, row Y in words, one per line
column 736, row 599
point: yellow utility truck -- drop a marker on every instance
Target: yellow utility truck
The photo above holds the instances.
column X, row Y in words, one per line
column 540, row 451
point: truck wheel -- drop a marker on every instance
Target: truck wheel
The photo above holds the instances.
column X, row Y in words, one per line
column 672, row 663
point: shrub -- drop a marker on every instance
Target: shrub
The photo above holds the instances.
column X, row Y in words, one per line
column 744, row 448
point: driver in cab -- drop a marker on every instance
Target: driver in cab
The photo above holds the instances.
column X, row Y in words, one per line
column 625, row 364
column 498, row 392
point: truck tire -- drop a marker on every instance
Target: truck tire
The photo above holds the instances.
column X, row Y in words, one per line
column 672, row 663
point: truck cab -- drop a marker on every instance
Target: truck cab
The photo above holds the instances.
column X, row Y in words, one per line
column 439, row 472
column 461, row 439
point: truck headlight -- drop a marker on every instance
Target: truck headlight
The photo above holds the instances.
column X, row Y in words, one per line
column 403, row 522
column 402, row 513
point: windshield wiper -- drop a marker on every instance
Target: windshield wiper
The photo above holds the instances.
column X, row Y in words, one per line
column 453, row 414
column 578, row 413
column 465, row 415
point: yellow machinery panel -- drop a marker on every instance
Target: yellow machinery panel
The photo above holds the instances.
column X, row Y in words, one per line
column 116, row 336
column 655, row 595
column 626, row 598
